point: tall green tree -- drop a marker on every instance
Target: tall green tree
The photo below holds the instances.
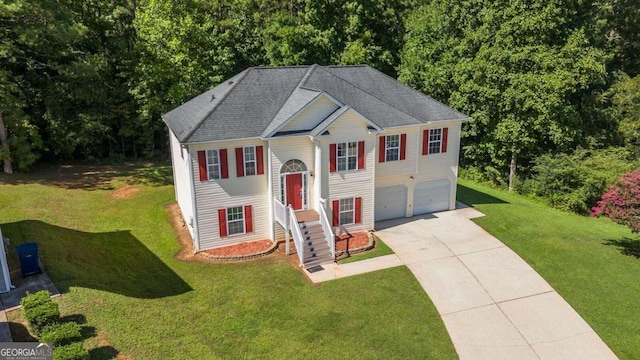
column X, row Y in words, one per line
column 339, row 32
column 525, row 71
column 65, row 65
column 188, row 46
column 624, row 107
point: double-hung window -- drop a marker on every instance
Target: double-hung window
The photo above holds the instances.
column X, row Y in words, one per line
column 249, row 160
column 435, row 141
column 392, row 148
column 235, row 220
column 213, row 164
column 347, row 210
column 347, row 155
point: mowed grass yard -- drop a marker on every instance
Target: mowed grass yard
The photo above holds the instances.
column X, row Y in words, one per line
column 591, row 262
column 107, row 244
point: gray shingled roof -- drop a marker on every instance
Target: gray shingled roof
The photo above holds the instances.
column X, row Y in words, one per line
column 259, row 100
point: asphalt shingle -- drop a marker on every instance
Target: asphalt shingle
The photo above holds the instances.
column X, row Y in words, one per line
column 259, row 100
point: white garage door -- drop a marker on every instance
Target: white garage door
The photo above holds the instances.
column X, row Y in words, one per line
column 431, row 196
column 391, row 202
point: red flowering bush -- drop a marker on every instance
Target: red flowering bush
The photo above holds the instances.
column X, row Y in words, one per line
column 621, row 203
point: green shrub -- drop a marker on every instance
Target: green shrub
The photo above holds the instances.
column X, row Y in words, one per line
column 42, row 316
column 74, row 351
column 576, row 181
column 29, row 301
column 61, row 334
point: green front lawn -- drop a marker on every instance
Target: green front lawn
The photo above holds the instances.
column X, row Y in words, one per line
column 584, row 259
column 381, row 249
column 113, row 260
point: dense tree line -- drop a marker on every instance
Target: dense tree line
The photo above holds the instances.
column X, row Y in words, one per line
column 548, row 83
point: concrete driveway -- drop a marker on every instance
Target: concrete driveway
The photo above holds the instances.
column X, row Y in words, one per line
column 493, row 304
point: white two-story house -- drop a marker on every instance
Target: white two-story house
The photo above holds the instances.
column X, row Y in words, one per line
column 340, row 146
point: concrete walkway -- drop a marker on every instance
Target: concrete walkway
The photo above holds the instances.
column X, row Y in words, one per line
column 493, row 304
column 334, row 271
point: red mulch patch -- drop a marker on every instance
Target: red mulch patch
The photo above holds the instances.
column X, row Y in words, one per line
column 352, row 241
column 246, row 248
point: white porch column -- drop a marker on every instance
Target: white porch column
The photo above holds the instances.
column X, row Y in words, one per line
column 317, row 182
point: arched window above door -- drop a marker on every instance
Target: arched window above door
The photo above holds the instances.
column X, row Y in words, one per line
column 293, row 166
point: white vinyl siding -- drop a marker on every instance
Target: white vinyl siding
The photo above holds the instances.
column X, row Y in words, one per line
column 413, row 147
column 182, row 181
column 350, row 127
column 225, row 193
column 311, row 115
column 284, row 149
column 417, row 168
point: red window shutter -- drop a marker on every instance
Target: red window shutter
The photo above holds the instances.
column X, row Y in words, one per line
column 336, row 212
column 403, row 146
column 445, row 136
column 240, row 162
column 260, row 159
column 425, row 142
column 332, row 157
column 358, row 215
column 248, row 219
column 202, row 165
column 360, row 155
column 382, row 148
column 222, row 221
column 224, row 164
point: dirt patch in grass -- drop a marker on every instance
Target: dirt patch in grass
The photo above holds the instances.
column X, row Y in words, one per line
column 348, row 242
column 125, row 192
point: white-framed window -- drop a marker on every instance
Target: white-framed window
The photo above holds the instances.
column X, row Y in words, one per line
column 235, row 220
column 213, row 164
column 347, row 211
column 435, row 141
column 249, row 160
column 347, row 156
column 392, row 148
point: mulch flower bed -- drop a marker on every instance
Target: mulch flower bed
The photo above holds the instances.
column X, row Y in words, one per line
column 244, row 251
column 246, row 248
column 350, row 242
column 345, row 243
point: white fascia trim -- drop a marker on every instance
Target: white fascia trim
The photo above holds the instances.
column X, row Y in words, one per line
column 428, row 123
column 219, row 141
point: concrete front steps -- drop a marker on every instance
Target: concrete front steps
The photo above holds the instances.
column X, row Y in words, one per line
column 316, row 248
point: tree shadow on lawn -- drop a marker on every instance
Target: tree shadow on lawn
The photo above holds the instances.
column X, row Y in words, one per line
column 93, row 176
column 116, row 261
column 627, row 246
column 473, row 197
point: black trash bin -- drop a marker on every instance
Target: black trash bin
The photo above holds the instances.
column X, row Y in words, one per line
column 29, row 258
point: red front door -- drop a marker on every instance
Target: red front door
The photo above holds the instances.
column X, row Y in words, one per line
column 294, row 191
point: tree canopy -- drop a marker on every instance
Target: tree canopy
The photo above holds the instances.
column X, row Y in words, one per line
column 526, row 72
column 90, row 78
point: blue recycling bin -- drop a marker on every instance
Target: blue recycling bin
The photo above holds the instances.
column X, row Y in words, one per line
column 29, row 258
